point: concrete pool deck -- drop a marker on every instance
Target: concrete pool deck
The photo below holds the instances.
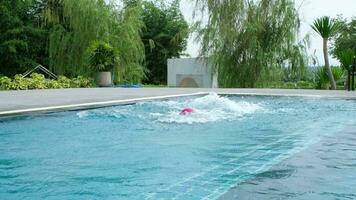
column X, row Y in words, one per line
column 20, row 102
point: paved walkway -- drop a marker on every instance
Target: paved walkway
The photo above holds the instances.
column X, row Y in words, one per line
column 15, row 102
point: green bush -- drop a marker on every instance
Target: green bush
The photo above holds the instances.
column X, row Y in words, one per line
column 321, row 77
column 54, row 84
column 81, row 82
column 5, row 83
column 64, row 82
column 339, row 75
column 19, row 83
column 289, row 85
column 38, row 81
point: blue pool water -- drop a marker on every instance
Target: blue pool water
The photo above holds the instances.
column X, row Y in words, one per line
column 149, row 151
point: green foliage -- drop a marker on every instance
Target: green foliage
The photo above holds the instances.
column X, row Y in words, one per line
column 103, row 57
column 132, row 51
column 325, row 27
column 346, row 37
column 248, row 41
column 22, row 40
column 288, row 85
column 81, row 82
column 319, row 80
column 321, row 77
column 5, row 83
column 164, row 36
column 346, row 58
column 339, row 74
column 77, row 24
column 344, row 45
column 38, row 81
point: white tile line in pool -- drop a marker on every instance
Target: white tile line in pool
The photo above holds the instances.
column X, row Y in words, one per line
column 152, row 195
column 221, row 190
column 95, row 104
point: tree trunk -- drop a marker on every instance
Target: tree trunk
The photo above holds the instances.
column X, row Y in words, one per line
column 327, row 65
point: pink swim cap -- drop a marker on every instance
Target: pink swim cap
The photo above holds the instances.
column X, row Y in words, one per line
column 186, row 111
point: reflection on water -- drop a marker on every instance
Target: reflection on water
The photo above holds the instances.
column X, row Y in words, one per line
column 326, row 170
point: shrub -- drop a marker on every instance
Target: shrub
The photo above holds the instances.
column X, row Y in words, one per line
column 64, row 82
column 5, row 83
column 19, row 83
column 321, row 77
column 53, row 84
column 289, row 85
column 38, row 81
column 81, row 82
column 339, row 75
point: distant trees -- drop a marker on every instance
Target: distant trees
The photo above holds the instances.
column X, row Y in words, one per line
column 344, row 42
column 58, row 34
column 164, row 36
column 22, row 40
column 251, row 42
column 326, row 28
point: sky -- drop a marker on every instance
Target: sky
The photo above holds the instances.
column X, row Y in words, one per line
column 309, row 10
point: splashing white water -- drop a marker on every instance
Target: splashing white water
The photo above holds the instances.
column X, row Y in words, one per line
column 209, row 108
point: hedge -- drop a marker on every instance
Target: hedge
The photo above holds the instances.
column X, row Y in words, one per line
column 38, row 81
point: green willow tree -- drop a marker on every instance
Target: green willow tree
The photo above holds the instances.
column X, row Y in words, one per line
column 78, row 24
column 250, row 42
column 326, row 28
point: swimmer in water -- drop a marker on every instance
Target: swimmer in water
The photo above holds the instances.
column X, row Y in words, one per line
column 187, row 111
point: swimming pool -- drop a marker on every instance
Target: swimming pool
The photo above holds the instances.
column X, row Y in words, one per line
column 149, row 151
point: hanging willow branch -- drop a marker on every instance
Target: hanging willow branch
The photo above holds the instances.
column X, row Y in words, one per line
column 77, row 24
column 248, row 41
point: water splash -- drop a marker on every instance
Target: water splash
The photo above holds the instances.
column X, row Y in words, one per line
column 210, row 108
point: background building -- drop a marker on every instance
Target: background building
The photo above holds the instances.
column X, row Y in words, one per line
column 191, row 72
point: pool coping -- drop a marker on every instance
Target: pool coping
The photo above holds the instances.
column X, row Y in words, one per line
column 99, row 104
column 92, row 105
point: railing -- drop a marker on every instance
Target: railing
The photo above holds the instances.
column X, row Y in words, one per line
column 43, row 69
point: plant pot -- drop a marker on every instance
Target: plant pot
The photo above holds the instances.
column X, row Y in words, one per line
column 104, row 79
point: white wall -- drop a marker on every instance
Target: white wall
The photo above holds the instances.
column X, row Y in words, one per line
column 194, row 68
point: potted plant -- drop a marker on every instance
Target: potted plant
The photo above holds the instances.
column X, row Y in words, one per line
column 102, row 59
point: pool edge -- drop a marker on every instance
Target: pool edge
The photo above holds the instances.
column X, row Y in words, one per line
column 92, row 105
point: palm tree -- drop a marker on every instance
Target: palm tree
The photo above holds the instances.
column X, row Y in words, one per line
column 326, row 28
